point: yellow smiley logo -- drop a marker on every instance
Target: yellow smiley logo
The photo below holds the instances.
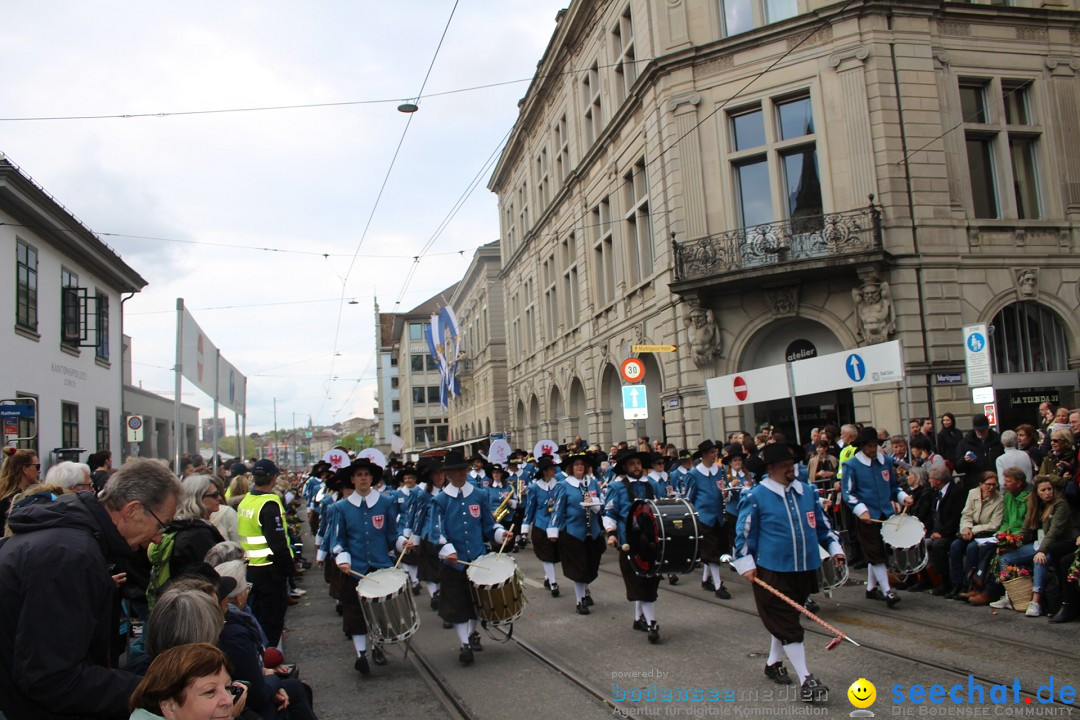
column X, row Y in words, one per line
column 862, row 693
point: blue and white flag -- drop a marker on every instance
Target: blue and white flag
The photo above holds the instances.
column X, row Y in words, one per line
column 442, row 338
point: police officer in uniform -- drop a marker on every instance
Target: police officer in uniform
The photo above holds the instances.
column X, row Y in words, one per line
column 264, row 536
column 781, row 523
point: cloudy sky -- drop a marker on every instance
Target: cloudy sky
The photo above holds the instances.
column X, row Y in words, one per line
column 181, row 197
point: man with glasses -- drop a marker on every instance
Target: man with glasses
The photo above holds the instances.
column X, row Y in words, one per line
column 56, row 608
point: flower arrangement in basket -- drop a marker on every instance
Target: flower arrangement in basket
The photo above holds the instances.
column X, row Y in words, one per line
column 1019, row 586
column 1007, row 541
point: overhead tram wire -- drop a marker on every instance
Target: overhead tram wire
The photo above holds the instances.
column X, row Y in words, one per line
column 375, row 206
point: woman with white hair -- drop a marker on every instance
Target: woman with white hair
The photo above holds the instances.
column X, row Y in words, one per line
column 72, row 476
column 188, row 537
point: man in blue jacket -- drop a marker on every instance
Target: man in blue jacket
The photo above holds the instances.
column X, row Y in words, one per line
column 781, row 524
column 869, row 487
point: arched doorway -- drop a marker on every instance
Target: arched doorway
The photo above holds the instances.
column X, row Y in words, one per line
column 791, row 340
column 534, row 421
column 556, row 414
column 1030, row 362
column 519, row 419
column 611, row 425
column 576, row 410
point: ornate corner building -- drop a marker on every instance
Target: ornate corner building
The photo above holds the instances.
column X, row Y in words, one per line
column 758, row 180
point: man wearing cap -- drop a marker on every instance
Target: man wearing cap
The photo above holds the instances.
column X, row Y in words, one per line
column 977, row 452
column 264, row 537
column 629, row 485
column 781, row 524
column 364, row 533
column 869, row 489
column 461, row 525
column 705, row 485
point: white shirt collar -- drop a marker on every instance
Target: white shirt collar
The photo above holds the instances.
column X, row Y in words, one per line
column 779, row 489
column 465, row 491
column 861, row 457
column 574, row 482
column 547, row 485
column 372, row 497
column 708, row 471
column 405, row 490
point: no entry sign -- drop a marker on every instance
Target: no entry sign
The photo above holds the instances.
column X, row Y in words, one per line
column 739, row 386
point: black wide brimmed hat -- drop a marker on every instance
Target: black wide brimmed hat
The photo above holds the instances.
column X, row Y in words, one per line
column 777, row 452
column 365, row 463
column 625, row 455
column 455, row 460
column 867, row 435
column 733, row 450
column 546, row 462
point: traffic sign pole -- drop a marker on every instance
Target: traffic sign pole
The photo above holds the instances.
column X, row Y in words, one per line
column 794, row 405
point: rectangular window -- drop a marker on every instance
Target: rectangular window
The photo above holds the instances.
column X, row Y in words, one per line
column 26, row 283
column 523, row 203
column 433, row 394
column 515, row 325
column 70, row 330
column 603, row 255
column 416, row 363
column 973, row 103
column 981, row 172
column 622, row 47
column 571, row 302
column 802, row 188
column 419, row 396
column 510, row 230
column 562, row 150
column 529, row 329
column 1025, row 185
column 594, row 123
column 28, row 426
column 101, row 350
column 551, row 298
column 416, row 331
column 395, row 406
column 755, row 205
column 743, row 15
column 638, row 223
column 69, row 425
column 394, row 382
column 101, row 428
column 543, row 183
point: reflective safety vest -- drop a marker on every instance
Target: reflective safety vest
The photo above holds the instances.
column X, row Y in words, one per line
column 251, row 533
column 846, row 453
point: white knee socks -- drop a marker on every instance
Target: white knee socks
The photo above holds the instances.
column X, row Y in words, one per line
column 637, row 609
column 881, row 575
column 648, row 609
column 360, row 643
column 714, row 570
column 432, row 588
column 796, row 653
column 776, row 650
column 549, row 573
column 579, row 591
column 462, row 632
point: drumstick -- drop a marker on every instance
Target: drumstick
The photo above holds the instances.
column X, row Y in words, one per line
column 799, row 607
column 359, row 575
column 506, row 539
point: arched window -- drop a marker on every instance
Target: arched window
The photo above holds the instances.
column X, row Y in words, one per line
column 1028, row 337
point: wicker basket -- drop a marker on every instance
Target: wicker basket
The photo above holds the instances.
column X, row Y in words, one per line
column 1020, row 591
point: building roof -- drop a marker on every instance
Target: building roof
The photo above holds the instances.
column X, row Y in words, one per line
column 37, row 210
column 422, row 311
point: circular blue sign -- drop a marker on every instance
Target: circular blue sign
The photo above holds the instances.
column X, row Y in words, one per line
column 976, row 342
column 855, row 367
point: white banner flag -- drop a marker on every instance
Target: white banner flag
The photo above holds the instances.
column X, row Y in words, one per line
column 232, row 388
column 198, row 354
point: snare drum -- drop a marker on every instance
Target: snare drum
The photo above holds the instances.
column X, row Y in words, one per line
column 663, row 536
column 497, row 590
column 908, row 561
column 829, row 576
column 387, row 602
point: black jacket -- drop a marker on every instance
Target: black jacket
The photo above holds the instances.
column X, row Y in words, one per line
column 986, row 454
column 193, row 539
column 948, row 439
column 55, row 613
column 946, row 518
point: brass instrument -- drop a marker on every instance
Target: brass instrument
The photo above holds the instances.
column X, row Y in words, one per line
column 504, row 507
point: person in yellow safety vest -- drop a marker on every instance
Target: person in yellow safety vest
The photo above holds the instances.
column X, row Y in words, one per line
column 264, row 536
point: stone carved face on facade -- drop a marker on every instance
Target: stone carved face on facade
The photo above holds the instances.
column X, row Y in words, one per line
column 877, row 317
column 703, row 334
column 1027, row 282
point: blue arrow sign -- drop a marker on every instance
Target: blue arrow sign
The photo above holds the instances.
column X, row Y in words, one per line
column 855, row 367
column 635, row 402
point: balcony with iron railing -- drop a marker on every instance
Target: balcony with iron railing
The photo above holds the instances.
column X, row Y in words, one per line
column 800, row 246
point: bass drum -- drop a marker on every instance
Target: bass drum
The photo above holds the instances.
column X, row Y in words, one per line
column 387, row 602
column 663, row 536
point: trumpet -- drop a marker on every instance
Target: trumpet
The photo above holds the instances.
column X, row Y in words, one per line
column 504, row 507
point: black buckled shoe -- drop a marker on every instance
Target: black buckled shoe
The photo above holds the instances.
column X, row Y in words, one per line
column 588, row 599
column 447, row 625
column 708, row 585
column 654, row 632
column 377, row 655
column 722, row 592
column 672, row 579
column 811, row 605
column 874, row 594
column 435, row 601
column 582, row 608
column 892, row 598
column 465, row 657
column 547, row 584
column 778, row 673
column 813, row 691
column 415, row 590
column 555, row 589
column 474, row 642
column 361, row 664
column 640, row 624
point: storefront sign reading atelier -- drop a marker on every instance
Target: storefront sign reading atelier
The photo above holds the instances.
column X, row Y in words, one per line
column 800, row 350
column 70, row 374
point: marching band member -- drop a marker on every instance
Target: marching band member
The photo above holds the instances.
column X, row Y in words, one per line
column 539, row 507
column 498, row 492
column 578, row 529
column 870, row 487
column 311, row 491
column 737, row 480
column 460, row 526
column 337, row 488
column 478, row 475
column 781, row 522
column 428, row 567
column 678, row 474
column 364, row 533
column 705, row 487
column 402, row 497
column 659, row 476
column 629, row 485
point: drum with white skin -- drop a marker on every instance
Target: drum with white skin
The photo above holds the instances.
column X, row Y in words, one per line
column 497, row 589
column 389, row 609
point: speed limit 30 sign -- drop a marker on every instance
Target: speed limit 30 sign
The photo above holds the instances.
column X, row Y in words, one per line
column 632, row 370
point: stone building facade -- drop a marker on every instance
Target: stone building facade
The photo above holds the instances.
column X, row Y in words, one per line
column 483, row 406
column 755, row 179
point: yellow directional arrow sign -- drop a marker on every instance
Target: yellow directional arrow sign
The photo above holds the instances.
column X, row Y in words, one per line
column 652, row 348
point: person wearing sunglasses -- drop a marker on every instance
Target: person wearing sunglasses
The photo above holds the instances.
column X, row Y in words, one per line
column 188, row 537
column 20, row 470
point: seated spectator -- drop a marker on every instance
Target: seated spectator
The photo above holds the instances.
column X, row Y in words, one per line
column 948, row 498
column 1047, row 528
column 1014, row 513
column 923, row 455
column 1014, row 457
column 56, row 612
column 271, row 690
column 979, row 519
column 189, row 536
column 899, row 445
column 920, row 490
column 189, row 682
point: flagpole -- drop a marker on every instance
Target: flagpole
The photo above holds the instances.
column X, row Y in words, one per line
column 177, row 427
column 217, row 393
